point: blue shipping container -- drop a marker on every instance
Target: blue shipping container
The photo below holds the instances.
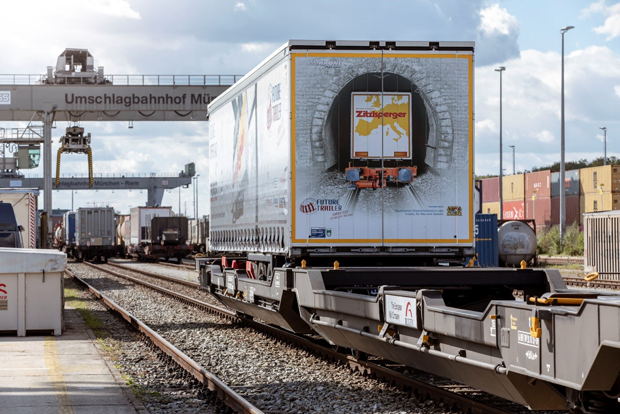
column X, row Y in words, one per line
column 69, row 227
column 485, row 234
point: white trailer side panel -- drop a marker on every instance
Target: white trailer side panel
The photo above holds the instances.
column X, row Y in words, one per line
column 249, row 167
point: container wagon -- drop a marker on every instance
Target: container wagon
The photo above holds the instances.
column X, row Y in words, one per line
column 318, row 251
column 94, row 229
column 156, row 234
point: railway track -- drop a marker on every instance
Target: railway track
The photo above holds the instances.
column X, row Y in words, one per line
column 224, row 393
column 555, row 260
column 456, row 396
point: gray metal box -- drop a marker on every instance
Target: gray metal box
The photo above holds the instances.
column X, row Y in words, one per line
column 94, row 226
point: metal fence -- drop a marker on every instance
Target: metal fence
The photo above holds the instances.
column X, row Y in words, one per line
column 128, row 80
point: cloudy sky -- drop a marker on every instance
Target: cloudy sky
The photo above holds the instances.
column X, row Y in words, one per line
column 231, row 37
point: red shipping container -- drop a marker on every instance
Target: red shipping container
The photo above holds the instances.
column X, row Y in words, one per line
column 539, row 210
column 490, row 190
column 539, row 181
column 573, row 213
column 514, row 210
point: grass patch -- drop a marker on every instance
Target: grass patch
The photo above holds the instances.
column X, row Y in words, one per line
column 81, row 305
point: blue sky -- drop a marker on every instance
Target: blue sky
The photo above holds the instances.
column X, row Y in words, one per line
column 231, row 37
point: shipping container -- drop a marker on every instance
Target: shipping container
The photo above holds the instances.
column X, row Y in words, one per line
column 571, row 183
column 602, row 244
column 486, row 240
column 490, row 190
column 538, row 183
column 514, row 210
column 301, row 144
column 141, row 222
column 68, row 227
column 572, row 210
column 540, row 211
column 596, row 202
column 169, row 230
column 24, row 202
column 514, row 187
column 491, row 208
column 593, row 179
column 94, row 226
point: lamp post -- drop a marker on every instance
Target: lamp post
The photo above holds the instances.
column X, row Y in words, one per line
column 562, row 150
column 501, row 170
column 513, row 159
column 605, row 147
column 196, row 196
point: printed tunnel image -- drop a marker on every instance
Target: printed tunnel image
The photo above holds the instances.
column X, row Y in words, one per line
column 376, row 131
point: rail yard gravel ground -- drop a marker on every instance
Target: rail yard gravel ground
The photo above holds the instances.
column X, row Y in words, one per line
column 269, row 374
column 147, row 371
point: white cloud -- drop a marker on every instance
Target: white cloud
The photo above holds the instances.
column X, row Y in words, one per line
column 596, row 7
column 114, row 8
column 498, row 33
column 240, row 7
column 497, row 20
column 531, row 105
column 611, row 27
column 486, row 125
column 544, row 136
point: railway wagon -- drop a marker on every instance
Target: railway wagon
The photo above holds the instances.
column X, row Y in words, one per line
column 198, row 230
column 156, row 234
column 303, row 247
column 122, row 223
column 94, row 233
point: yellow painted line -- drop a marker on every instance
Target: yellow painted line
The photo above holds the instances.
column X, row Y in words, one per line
column 56, row 376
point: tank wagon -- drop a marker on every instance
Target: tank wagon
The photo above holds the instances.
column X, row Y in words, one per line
column 156, row 234
column 306, row 248
column 122, row 233
column 94, row 233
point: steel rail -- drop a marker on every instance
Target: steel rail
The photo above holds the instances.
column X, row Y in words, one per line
column 437, row 394
column 556, row 260
column 156, row 275
column 223, row 391
column 596, row 283
column 177, row 266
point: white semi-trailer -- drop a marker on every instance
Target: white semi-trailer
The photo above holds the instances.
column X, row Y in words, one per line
column 340, row 148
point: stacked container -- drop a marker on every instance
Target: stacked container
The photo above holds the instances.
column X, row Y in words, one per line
column 600, row 188
column 514, row 196
column 490, row 196
column 538, row 198
column 571, row 191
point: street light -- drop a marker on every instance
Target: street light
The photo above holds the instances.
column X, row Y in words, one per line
column 501, row 171
column 605, row 141
column 196, row 196
column 562, row 150
column 513, row 159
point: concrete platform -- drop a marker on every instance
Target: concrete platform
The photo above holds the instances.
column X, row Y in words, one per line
column 62, row 374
